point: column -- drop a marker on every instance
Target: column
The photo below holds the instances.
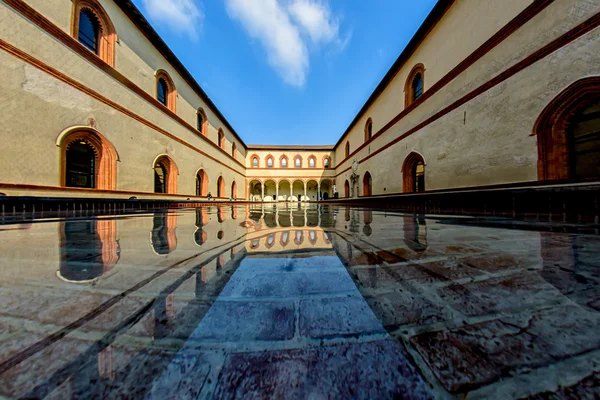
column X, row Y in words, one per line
column 305, row 189
column 291, row 191
column 262, row 188
column 318, row 190
column 277, row 192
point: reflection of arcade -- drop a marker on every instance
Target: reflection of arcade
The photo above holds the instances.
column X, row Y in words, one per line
column 164, row 239
column 89, row 249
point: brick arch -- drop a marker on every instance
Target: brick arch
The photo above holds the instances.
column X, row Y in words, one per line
column 312, row 157
column 298, row 242
column 220, row 187
column 233, row 191
column 203, row 190
column 368, row 129
column 551, row 128
column 326, row 157
column 269, row 156
column 408, row 178
column 172, row 172
column 367, row 184
column 221, row 138
column 107, row 36
column 106, row 156
column 171, row 89
column 287, row 160
column 252, row 157
column 202, row 122
column 408, row 89
column 301, row 160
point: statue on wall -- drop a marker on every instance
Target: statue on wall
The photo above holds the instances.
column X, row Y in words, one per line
column 354, row 179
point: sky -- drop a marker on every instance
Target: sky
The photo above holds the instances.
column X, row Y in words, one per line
column 287, row 71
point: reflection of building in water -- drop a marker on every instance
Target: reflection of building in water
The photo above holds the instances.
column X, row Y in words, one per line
column 164, row 238
column 200, row 235
column 89, row 249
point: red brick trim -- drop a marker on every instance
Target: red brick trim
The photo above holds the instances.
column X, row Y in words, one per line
column 202, row 128
column 312, row 156
column 269, row 156
column 287, row 160
column 580, row 30
column 106, row 156
column 326, row 157
column 107, row 35
column 368, row 129
column 172, row 172
column 204, row 188
column 252, row 157
column 301, row 161
column 284, row 244
column 408, row 89
column 70, row 42
column 525, row 16
column 171, row 90
column 552, row 125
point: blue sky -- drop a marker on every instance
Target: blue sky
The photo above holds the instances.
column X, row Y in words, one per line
column 287, row 71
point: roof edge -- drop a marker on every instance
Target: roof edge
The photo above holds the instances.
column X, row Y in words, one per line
column 436, row 14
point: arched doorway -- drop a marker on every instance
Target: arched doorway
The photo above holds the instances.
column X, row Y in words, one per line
column 413, row 173
column 346, row 189
column 568, row 133
column 80, row 165
column 255, row 190
column 201, row 183
column 367, row 184
column 165, row 175
column 220, row 187
column 88, row 160
column 233, row 190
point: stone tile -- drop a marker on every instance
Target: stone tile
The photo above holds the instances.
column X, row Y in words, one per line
column 513, row 292
column 499, row 262
column 405, row 307
column 586, row 389
column 247, row 321
column 371, row 370
column 451, row 269
column 475, row 355
column 340, row 316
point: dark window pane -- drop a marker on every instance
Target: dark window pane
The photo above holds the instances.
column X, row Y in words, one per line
column 80, row 165
column 417, row 86
column 162, row 91
column 200, row 122
column 89, row 30
column 160, row 179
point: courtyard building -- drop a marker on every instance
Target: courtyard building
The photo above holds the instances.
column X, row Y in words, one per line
column 94, row 104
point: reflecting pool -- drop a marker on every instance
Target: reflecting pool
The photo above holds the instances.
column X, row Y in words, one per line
column 266, row 301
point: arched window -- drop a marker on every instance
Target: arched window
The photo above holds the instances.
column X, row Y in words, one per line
column 368, row 130
column 415, row 84
column 568, row 134
column 221, row 139
column 165, row 90
column 269, row 162
column 347, row 149
column 220, row 187
column 326, row 162
column 89, row 30
column 284, row 162
column 312, row 162
column 285, row 238
column 233, row 150
column 298, row 162
column 413, row 173
column 346, row 189
column 94, row 30
column 255, row 162
column 164, row 238
column 367, row 184
column 299, row 237
column 234, row 194
column 165, row 175
column 88, row 160
column 160, row 178
column 202, row 122
column 201, row 183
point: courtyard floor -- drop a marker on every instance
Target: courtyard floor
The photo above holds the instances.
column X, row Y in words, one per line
column 272, row 301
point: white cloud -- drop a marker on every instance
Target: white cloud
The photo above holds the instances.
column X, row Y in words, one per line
column 182, row 16
column 284, row 27
column 315, row 18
